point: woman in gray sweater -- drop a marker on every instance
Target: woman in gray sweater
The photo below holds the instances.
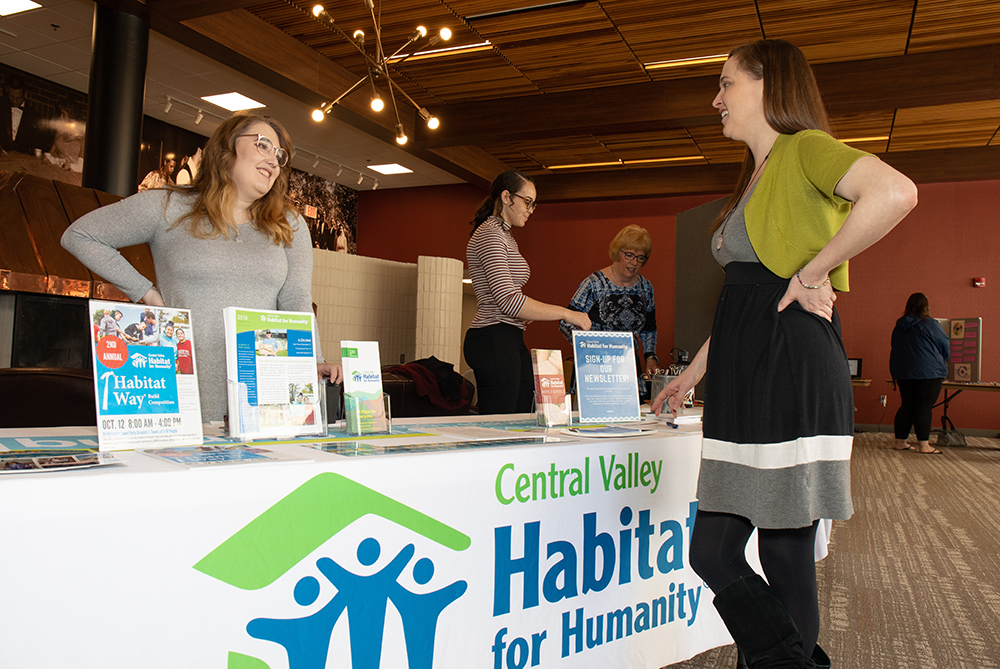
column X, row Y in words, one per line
column 229, row 239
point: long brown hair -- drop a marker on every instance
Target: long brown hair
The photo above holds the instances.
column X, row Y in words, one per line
column 791, row 99
column 211, row 214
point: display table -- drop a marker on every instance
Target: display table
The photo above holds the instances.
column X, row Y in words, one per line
column 567, row 554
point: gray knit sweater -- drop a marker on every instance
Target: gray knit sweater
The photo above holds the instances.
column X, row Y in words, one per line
column 203, row 275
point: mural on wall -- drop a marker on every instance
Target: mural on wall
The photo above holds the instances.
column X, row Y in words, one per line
column 42, row 127
column 330, row 209
column 42, row 131
column 168, row 155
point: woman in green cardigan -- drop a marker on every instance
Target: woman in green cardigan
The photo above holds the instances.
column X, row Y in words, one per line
column 778, row 419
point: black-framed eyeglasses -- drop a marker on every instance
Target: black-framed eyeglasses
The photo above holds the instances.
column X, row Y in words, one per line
column 265, row 147
column 529, row 204
column 631, row 256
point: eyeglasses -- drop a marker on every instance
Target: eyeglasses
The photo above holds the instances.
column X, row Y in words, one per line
column 529, row 204
column 631, row 256
column 265, row 147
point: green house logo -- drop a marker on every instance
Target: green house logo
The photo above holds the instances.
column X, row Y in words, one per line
column 283, row 535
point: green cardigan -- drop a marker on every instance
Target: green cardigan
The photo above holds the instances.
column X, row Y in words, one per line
column 793, row 211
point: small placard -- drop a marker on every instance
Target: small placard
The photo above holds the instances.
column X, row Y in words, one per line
column 606, row 380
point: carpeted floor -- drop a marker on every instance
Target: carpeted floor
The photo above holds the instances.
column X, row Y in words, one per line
column 913, row 579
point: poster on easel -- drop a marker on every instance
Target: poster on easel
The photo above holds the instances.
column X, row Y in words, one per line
column 966, row 338
column 606, row 381
column 145, row 379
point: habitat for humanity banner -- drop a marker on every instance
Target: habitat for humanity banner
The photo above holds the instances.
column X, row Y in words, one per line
column 563, row 555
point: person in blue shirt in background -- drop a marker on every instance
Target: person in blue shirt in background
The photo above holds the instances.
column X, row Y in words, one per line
column 919, row 365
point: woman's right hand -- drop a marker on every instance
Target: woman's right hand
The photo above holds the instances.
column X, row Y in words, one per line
column 578, row 319
column 673, row 394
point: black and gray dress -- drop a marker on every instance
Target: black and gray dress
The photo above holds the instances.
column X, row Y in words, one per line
column 779, row 410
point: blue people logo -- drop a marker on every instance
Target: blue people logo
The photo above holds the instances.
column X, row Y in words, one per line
column 293, row 528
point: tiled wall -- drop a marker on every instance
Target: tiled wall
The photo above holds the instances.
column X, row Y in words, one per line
column 412, row 310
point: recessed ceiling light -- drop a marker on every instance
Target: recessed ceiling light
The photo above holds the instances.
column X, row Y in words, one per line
column 233, row 101
column 8, row 7
column 391, row 168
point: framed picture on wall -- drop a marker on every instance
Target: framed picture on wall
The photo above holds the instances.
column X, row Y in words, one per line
column 854, row 365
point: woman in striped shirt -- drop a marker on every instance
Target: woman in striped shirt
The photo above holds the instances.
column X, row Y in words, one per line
column 494, row 345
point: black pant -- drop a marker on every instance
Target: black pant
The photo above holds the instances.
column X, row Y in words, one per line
column 502, row 364
column 918, row 397
column 788, row 557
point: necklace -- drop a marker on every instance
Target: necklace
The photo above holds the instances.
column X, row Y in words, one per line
column 753, row 180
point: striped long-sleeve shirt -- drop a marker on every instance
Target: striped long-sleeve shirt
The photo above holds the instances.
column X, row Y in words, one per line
column 498, row 273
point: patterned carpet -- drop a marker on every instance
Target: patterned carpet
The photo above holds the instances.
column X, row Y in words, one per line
column 913, row 579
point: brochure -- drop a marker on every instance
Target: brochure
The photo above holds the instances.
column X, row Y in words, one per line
column 209, row 456
column 145, row 376
column 55, row 460
column 550, row 387
column 273, row 388
column 606, row 383
column 364, row 406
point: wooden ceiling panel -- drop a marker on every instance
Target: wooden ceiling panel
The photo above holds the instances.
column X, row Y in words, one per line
column 512, row 156
column 651, row 145
column 683, row 29
column 563, row 48
column 481, row 75
column 833, row 30
column 967, row 124
column 567, row 151
column 867, row 126
column 951, row 24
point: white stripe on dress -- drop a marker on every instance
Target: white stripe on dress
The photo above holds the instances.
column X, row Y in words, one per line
column 782, row 454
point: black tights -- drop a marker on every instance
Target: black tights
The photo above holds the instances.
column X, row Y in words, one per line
column 917, row 398
column 718, row 546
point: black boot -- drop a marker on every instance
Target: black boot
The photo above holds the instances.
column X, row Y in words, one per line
column 819, row 658
column 761, row 626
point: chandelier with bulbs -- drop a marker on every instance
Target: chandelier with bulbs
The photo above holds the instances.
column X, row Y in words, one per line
column 378, row 68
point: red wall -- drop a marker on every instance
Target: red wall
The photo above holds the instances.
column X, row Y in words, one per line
column 937, row 249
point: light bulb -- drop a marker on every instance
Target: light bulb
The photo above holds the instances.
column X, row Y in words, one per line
column 377, row 104
column 318, row 115
column 317, row 10
column 445, row 34
column 433, row 123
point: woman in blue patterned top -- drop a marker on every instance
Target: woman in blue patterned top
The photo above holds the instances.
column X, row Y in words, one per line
column 619, row 299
